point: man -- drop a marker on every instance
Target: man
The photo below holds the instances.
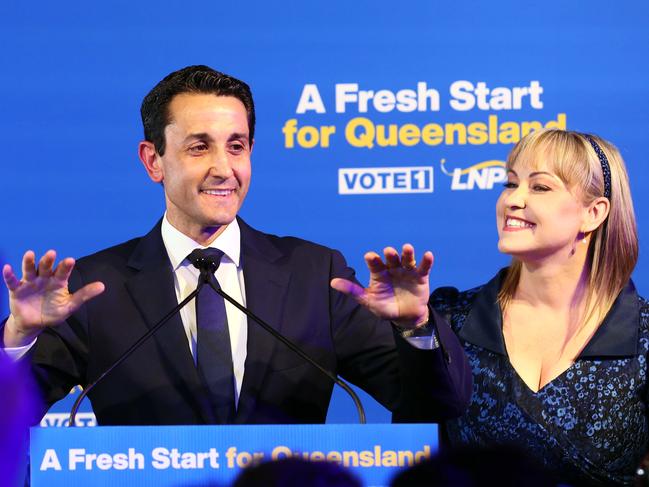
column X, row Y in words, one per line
column 199, row 132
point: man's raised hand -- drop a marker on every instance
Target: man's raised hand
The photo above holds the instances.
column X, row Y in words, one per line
column 41, row 298
column 398, row 288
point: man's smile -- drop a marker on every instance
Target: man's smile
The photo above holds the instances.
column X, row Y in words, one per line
column 218, row 192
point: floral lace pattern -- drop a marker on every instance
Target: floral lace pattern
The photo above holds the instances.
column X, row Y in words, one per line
column 588, row 425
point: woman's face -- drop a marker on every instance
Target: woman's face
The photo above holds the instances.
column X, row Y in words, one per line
column 538, row 217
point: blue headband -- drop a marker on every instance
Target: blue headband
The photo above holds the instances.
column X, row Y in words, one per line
column 606, row 169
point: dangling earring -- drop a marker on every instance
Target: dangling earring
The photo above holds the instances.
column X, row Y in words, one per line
column 580, row 236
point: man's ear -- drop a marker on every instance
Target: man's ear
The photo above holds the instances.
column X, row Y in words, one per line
column 596, row 214
column 151, row 161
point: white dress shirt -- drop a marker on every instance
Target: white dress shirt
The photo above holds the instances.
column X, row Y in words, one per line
column 230, row 278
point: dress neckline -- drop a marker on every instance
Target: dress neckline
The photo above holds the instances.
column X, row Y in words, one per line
column 617, row 336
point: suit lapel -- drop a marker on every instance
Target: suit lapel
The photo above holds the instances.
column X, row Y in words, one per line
column 266, row 282
column 152, row 289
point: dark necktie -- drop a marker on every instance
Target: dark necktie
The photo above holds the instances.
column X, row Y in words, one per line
column 213, row 353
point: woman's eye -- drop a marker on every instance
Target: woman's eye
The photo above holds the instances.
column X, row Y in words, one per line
column 509, row 185
column 540, row 187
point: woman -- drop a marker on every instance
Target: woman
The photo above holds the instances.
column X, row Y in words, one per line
column 558, row 341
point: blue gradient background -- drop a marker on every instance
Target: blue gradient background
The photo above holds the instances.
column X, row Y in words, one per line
column 72, row 77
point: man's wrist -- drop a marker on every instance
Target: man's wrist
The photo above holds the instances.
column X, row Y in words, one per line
column 423, row 336
column 421, row 331
column 14, row 337
column 412, row 326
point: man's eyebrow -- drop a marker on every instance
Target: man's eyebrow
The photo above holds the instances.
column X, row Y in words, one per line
column 238, row 136
column 207, row 137
column 198, row 136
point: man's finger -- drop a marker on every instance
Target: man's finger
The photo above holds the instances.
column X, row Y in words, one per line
column 374, row 262
column 348, row 287
column 391, row 257
column 46, row 263
column 426, row 264
column 408, row 256
column 86, row 293
column 10, row 278
column 29, row 266
column 64, row 269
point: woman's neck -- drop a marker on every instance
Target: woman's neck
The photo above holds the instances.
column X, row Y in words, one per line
column 555, row 285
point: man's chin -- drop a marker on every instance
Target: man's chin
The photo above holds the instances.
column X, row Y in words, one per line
column 216, row 225
column 220, row 222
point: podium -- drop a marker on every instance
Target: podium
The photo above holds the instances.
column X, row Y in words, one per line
column 162, row 456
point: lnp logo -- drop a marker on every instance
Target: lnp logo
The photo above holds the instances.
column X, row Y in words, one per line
column 382, row 180
column 482, row 175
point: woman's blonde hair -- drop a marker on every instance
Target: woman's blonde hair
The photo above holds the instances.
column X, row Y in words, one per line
column 613, row 247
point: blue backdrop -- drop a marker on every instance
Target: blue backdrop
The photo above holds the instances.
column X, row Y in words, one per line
column 452, row 86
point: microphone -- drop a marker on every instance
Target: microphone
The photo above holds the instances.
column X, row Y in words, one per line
column 207, row 268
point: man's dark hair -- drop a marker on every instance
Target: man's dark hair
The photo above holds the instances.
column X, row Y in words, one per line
column 192, row 79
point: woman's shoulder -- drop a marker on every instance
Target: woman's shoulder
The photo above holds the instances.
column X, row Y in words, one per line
column 455, row 306
column 451, row 301
column 643, row 305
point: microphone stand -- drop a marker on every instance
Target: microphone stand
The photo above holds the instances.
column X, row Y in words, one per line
column 207, row 277
column 125, row 355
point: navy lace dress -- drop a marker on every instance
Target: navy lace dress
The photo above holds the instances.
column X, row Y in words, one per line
column 589, row 425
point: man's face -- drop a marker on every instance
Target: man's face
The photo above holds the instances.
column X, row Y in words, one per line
column 206, row 166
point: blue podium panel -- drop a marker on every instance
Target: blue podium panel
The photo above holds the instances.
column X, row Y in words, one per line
column 194, row 455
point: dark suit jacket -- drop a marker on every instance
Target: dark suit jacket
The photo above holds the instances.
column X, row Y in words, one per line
column 287, row 285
